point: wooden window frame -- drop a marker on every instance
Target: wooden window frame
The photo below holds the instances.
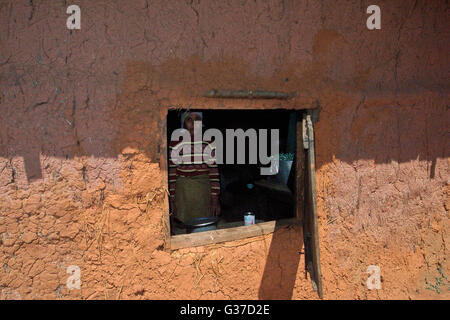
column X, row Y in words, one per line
column 305, row 204
column 175, row 242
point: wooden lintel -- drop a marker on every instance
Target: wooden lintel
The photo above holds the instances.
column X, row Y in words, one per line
column 249, row 94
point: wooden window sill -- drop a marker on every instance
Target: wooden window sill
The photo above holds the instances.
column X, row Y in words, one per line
column 228, row 234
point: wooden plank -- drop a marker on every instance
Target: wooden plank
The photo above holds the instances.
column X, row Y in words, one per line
column 305, row 134
column 230, row 234
column 314, row 229
column 249, row 94
column 299, row 172
column 163, row 165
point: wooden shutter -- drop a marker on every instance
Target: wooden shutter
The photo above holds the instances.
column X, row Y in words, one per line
column 310, row 221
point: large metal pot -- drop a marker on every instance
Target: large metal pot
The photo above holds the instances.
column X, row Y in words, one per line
column 201, row 224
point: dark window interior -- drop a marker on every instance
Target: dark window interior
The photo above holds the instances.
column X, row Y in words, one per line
column 243, row 188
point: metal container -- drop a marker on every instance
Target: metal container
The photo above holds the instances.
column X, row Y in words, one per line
column 284, row 171
column 249, row 219
column 201, row 224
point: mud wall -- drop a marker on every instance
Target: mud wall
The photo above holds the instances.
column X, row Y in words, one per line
column 81, row 120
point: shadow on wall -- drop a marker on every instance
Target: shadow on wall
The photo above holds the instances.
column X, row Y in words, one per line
column 383, row 134
column 386, row 130
column 280, row 271
column 54, row 103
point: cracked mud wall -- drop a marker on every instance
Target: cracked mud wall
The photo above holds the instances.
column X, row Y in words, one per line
column 81, row 119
